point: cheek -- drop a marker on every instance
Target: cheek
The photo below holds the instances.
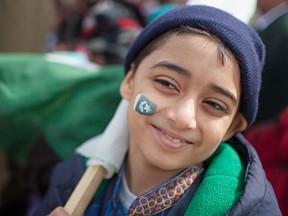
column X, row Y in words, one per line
column 145, row 98
column 215, row 130
column 136, row 121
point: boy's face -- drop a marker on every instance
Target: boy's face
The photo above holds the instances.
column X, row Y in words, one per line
column 197, row 99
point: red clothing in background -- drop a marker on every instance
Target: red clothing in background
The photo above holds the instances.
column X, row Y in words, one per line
column 271, row 142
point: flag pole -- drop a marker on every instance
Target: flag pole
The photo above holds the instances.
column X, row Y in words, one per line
column 85, row 190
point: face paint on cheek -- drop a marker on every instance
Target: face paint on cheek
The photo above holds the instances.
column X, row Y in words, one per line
column 144, row 106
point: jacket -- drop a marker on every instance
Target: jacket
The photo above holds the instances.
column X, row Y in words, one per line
column 258, row 197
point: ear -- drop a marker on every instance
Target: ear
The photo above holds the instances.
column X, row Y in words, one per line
column 127, row 85
column 238, row 124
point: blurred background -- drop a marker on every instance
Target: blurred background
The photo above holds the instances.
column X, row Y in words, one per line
column 25, row 25
column 60, row 70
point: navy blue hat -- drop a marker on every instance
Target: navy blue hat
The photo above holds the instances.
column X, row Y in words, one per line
column 241, row 39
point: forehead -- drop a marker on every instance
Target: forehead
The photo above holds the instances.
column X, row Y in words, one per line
column 189, row 45
column 158, row 42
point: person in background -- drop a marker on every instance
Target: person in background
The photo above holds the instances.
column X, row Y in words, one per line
column 270, row 139
column 66, row 25
column 272, row 26
column 108, row 29
column 145, row 7
column 101, row 31
column 270, row 133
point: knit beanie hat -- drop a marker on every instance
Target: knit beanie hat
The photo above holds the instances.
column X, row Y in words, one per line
column 241, row 39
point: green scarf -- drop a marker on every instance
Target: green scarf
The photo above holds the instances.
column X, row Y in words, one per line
column 222, row 184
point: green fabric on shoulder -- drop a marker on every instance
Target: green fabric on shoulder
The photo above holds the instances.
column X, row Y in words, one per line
column 222, row 184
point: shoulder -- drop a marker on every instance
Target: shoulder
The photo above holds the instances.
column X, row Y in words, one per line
column 64, row 179
column 258, row 196
column 283, row 20
column 280, row 24
column 68, row 171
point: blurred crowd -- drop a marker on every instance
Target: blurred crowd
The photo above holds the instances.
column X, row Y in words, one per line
column 101, row 32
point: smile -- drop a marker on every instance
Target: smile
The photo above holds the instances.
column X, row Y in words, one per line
column 175, row 140
column 169, row 140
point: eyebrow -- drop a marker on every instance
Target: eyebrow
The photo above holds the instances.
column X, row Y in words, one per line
column 224, row 92
column 173, row 67
column 182, row 71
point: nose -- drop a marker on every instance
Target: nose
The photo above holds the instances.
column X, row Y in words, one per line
column 183, row 114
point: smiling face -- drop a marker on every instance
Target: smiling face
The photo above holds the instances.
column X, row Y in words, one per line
column 197, row 99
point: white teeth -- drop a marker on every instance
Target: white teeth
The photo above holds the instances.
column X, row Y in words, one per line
column 176, row 140
column 171, row 138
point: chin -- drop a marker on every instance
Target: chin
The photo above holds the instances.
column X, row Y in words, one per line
column 166, row 164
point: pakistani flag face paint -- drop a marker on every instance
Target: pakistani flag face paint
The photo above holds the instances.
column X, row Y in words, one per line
column 144, row 106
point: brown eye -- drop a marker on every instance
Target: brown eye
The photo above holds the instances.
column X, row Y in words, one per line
column 216, row 106
column 166, row 84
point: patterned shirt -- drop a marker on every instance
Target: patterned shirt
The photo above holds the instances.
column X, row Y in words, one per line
column 157, row 201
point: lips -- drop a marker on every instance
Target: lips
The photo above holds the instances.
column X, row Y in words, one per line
column 170, row 139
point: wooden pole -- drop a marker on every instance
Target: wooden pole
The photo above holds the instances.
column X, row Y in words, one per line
column 85, row 190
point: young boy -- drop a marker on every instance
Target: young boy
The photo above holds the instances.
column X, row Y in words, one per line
column 192, row 81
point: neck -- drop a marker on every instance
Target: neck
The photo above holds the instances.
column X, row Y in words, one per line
column 142, row 176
